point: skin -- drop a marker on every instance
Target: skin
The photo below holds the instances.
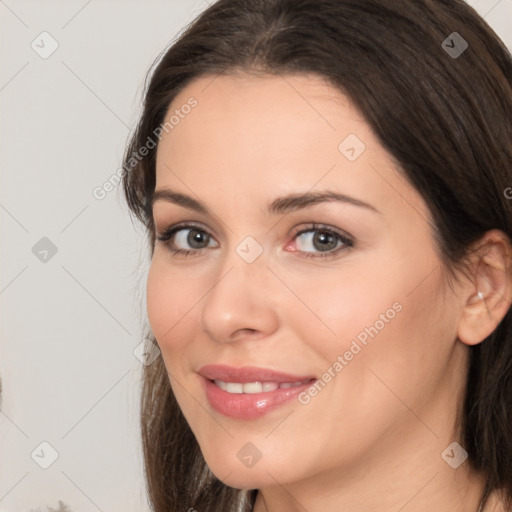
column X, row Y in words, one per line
column 372, row 439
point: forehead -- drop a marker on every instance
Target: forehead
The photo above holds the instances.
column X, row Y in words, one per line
column 281, row 111
column 285, row 133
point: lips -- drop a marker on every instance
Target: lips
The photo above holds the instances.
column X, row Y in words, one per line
column 250, row 392
column 248, row 374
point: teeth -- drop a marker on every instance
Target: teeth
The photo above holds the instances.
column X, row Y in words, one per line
column 252, row 387
column 221, row 384
column 234, row 387
column 255, row 387
column 286, row 385
column 270, row 386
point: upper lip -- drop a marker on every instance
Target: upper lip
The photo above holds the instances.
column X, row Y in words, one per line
column 248, row 374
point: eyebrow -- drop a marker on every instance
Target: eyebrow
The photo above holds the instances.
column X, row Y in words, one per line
column 280, row 205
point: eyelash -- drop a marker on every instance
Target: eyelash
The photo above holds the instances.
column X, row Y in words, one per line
column 165, row 238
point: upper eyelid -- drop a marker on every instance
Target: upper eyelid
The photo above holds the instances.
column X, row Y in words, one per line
column 322, row 227
column 184, row 225
column 175, row 228
column 296, row 231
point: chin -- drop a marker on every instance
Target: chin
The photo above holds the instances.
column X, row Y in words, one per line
column 264, row 473
column 245, row 478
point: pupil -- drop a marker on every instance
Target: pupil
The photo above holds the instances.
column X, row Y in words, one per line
column 196, row 238
column 326, row 241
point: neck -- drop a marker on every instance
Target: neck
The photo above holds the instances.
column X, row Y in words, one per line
column 404, row 471
column 401, row 470
column 422, row 494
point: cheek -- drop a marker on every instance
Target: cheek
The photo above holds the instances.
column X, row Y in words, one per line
column 169, row 303
column 386, row 319
column 335, row 307
column 160, row 301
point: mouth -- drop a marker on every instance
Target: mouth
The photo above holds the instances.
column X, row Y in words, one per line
column 249, row 393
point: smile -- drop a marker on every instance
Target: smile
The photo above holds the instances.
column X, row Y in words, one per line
column 249, row 392
column 256, row 387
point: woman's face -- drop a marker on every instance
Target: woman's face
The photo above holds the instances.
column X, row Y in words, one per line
column 308, row 256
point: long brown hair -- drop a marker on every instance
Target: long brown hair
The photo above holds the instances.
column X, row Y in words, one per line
column 446, row 119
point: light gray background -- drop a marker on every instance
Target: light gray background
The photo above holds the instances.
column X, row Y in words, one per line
column 69, row 325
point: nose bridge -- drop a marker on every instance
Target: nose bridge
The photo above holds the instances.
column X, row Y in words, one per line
column 240, row 299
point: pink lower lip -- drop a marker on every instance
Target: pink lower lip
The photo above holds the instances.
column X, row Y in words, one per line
column 245, row 406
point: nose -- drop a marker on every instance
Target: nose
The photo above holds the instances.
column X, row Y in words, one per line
column 241, row 303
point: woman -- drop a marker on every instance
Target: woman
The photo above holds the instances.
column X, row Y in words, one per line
column 324, row 186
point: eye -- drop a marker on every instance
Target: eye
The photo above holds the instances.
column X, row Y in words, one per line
column 320, row 241
column 186, row 239
column 315, row 241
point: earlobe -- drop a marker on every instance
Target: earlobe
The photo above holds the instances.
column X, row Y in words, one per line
column 490, row 294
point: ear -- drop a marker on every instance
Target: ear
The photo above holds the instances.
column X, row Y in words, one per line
column 488, row 296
